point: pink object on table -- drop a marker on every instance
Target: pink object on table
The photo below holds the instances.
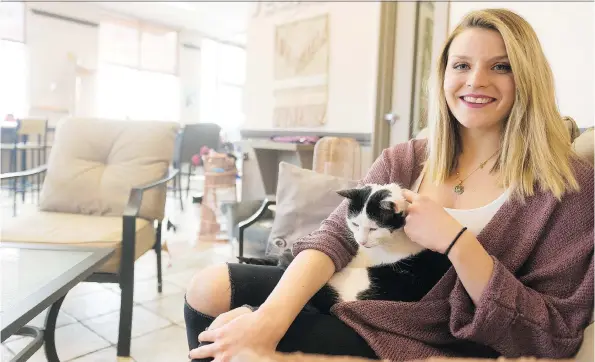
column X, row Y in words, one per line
column 296, row 139
column 196, row 160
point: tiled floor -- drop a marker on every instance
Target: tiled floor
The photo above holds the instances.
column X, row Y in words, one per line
column 88, row 320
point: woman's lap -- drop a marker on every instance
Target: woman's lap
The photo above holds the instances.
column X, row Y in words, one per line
column 310, row 332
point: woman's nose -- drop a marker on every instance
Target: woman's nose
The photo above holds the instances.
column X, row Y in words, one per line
column 478, row 78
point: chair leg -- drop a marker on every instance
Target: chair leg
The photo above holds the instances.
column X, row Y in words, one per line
column 126, row 286
column 14, row 182
column 158, row 252
column 23, row 179
column 14, row 199
column 190, row 169
column 180, row 192
column 126, row 302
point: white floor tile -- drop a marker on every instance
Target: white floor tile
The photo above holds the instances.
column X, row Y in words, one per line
column 168, row 344
column 171, row 307
column 180, row 279
column 63, row 319
column 92, row 304
column 146, row 290
column 39, row 322
column 72, row 341
column 105, row 355
column 5, row 354
column 86, row 288
column 143, row 321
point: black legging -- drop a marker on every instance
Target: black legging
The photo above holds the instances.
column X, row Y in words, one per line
column 309, row 333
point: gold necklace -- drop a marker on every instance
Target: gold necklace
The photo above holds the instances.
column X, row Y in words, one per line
column 459, row 189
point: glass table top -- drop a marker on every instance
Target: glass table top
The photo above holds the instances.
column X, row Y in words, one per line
column 24, row 271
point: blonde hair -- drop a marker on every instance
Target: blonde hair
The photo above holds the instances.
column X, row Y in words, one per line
column 536, row 147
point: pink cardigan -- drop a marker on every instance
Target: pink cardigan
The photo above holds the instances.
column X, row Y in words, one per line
column 537, row 303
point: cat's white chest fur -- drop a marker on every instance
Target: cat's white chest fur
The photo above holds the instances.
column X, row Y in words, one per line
column 349, row 282
column 353, row 279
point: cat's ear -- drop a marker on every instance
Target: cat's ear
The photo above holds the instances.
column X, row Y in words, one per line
column 349, row 193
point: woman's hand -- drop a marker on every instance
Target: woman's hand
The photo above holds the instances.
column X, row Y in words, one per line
column 236, row 330
column 428, row 224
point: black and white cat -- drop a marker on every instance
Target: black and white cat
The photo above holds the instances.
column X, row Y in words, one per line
column 387, row 265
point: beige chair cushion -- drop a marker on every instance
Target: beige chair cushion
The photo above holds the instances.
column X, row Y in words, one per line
column 573, row 130
column 82, row 230
column 583, row 145
column 94, row 163
column 298, row 190
column 585, row 353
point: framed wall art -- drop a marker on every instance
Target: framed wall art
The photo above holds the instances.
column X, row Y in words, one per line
column 301, row 73
column 423, row 65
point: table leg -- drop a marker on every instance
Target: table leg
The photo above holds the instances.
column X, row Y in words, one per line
column 33, row 346
column 50, row 331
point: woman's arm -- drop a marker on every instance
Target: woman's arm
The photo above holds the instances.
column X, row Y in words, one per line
column 473, row 264
column 543, row 310
column 543, row 307
column 306, row 274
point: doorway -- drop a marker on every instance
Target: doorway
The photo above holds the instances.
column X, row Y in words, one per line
column 411, row 35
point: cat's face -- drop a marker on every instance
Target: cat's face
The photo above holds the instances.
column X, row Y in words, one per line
column 375, row 212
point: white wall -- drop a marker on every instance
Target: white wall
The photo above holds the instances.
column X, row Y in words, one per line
column 565, row 30
column 354, row 32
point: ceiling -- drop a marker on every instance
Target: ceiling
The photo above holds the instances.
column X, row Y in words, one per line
column 221, row 20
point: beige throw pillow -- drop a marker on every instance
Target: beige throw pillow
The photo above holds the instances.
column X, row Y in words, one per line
column 304, row 199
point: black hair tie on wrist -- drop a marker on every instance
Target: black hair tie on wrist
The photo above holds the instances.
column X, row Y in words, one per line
column 455, row 240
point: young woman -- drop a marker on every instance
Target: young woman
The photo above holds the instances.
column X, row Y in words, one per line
column 499, row 162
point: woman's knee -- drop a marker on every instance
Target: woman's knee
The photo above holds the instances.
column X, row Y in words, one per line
column 209, row 291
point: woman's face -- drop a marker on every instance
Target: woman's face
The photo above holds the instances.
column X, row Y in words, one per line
column 478, row 82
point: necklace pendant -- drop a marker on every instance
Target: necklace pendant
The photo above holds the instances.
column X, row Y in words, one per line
column 459, row 189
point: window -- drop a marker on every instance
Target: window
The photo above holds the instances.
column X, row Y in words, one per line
column 137, row 75
column 12, row 21
column 128, row 93
column 222, row 87
column 14, row 61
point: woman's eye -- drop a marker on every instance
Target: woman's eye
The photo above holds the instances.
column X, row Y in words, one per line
column 502, row 67
column 356, row 225
column 460, row 66
column 373, row 229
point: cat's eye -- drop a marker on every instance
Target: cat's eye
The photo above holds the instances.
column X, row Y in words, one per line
column 354, row 224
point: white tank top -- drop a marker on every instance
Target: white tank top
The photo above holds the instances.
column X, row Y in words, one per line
column 474, row 219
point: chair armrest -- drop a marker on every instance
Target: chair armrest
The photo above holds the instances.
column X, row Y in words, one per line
column 257, row 215
column 242, row 225
column 136, row 194
column 129, row 224
column 19, row 174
